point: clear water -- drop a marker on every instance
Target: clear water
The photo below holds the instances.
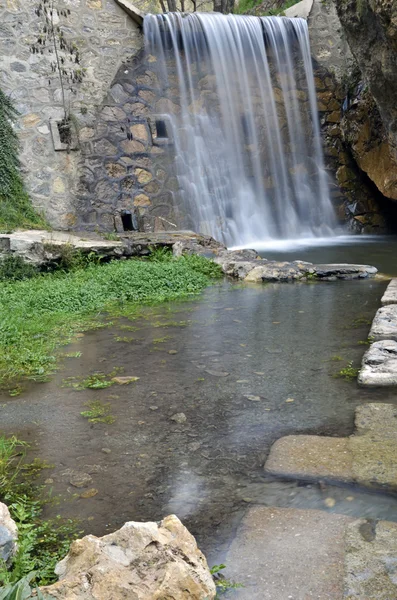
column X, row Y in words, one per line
column 275, row 342
column 246, row 136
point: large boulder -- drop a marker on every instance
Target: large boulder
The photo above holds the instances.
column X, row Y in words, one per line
column 140, row 561
column 8, row 533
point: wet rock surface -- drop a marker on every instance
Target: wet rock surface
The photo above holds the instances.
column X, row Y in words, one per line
column 379, row 366
column 144, row 561
column 390, row 295
column 280, row 553
column 384, row 325
column 367, row 458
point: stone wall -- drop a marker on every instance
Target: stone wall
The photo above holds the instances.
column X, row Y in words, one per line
column 126, row 168
column 106, row 37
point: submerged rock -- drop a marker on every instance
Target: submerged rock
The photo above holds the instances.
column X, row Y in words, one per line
column 140, row 561
column 8, row 533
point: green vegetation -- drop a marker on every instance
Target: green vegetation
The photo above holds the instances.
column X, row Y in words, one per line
column 336, row 358
column 253, row 7
column 112, row 236
column 349, row 372
column 223, row 585
column 96, row 381
column 16, row 209
column 41, row 313
column 98, row 412
column 41, row 543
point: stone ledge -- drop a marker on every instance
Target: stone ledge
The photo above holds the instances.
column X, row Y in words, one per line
column 390, row 295
column 384, row 325
column 367, row 458
column 379, row 365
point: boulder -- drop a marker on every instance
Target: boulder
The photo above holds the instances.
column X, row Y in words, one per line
column 140, row 561
column 8, row 533
column 390, row 295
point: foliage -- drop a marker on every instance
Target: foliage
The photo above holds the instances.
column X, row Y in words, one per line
column 96, row 381
column 245, row 7
column 98, row 412
column 70, row 258
column 222, row 584
column 160, row 254
column 112, row 236
column 41, row 543
column 14, row 268
column 15, row 207
column 21, row 590
column 38, row 315
column 349, row 372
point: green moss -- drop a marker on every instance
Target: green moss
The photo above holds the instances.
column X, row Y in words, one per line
column 98, row 412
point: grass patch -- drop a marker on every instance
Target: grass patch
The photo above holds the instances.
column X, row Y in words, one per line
column 349, row 372
column 96, row 381
column 41, row 543
column 41, row 313
column 98, row 412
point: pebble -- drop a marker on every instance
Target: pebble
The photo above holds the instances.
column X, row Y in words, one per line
column 106, row 450
column 89, row 493
column 179, row 418
column 80, row 480
column 153, row 407
column 124, row 380
column 217, row 373
column 330, row 502
column 49, row 480
column 172, row 351
column 253, row 398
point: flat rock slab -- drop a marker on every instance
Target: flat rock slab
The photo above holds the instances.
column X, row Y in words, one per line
column 370, row 561
column 286, row 553
column 379, row 365
column 252, row 268
column 390, row 295
column 281, row 553
column 41, row 247
column 367, row 458
column 384, row 325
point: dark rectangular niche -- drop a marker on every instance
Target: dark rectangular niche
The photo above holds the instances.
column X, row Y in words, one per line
column 64, row 136
column 160, row 129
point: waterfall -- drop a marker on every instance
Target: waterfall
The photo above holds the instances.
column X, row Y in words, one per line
column 242, row 117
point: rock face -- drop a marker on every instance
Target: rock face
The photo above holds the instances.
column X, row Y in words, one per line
column 368, row 457
column 8, row 533
column 140, row 561
column 370, row 122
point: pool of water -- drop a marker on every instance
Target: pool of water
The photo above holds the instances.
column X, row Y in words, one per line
column 246, row 365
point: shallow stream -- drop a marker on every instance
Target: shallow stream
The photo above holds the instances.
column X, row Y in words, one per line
column 246, row 365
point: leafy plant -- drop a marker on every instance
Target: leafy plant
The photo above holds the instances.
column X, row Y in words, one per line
column 41, row 543
column 96, row 381
column 349, row 372
column 98, row 412
column 160, row 254
column 16, row 209
column 14, row 268
column 223, row 585
column 111, row 236
column 21, row 590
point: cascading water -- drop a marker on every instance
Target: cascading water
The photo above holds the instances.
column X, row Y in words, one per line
column 244, row 125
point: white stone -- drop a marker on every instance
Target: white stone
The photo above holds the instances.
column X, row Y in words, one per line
column 390, row 295
column 384, row 325
column 379, row 365
column 8, row 533
column 141, row 561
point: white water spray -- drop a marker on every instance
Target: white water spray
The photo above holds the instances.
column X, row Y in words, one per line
column 248, row 154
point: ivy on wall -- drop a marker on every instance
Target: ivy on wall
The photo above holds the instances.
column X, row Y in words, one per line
column 16, row 209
